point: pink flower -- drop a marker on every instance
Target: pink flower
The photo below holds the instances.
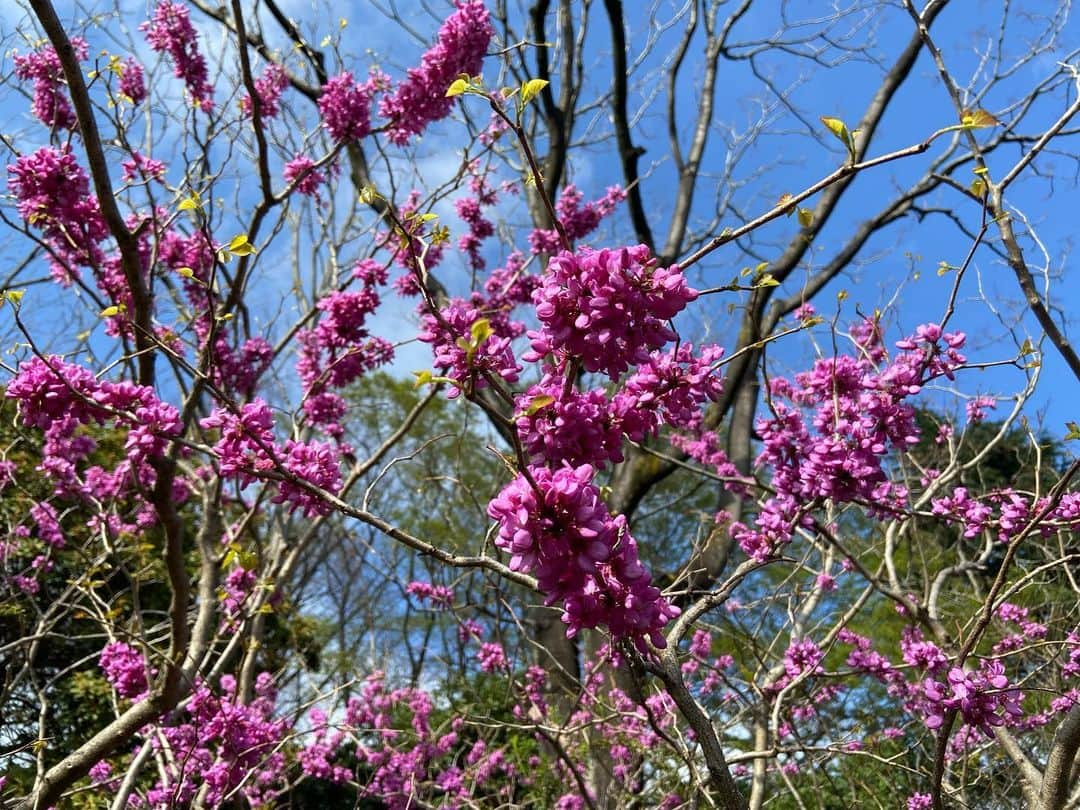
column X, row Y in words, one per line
column 170, row 31
column 421, row 99
column 557, row 527
column 50, row 105
column 345, row 106
column 607, row 308
column 124, row 668
column 310, row 178
column 132, row 82
column 269, row 88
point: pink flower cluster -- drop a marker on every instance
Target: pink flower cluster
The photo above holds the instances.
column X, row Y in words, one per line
column 301, row 170
column 345, row 105
column 222, row 745
column 132, row 81
column 984, row 698
column 859, row 414
column 402, row 757
column 421, row 99
column 440, row 596
column 577, row 220
column 555, row 525
column 559, row 424
column 140, row 167
column 1008, row 512
column 467, row 347
column 802, row 655
column 170, row 31
column 246, row 449
column 59, row 397
column 606, row 308
column 50, row 105
column 340, row 349
column 492, row 658
column 480, row 228
column 124, row 668
column 52, row 192
column 268, row 87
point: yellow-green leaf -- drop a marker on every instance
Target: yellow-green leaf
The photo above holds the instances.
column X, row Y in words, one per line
column 240, row 246
column 186, row 272
column 767, row 281
column 531, row 89
column 481, row 330
column 457, row 87
column 1074, row 431
column 837, row 128
column 423, row 377
column 806, row 217
column 840, row 130
column 978, row 119
column 14, row 297
column 112, row 311
column 538, row 403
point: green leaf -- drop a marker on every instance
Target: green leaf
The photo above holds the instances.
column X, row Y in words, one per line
column 978, row 119
column 240, row 246
column 767, row 281
column 192, row 203
column 113, row 311
column 836, row 127
column 14, row 297
column 457, row 87
column 1074, row 431
column 840, row 130
column 806, row 217
column 531, row 89
column 538, row 403
column 481, row 330
column 1027, row 348
column 423, row 377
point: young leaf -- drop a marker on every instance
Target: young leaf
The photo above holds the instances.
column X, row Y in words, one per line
column 538, row 403
column 836, row 127
column 978, row 119
column 806, row 217
column 481, row 330
column 457, row 87
column 531, row 89
column 240, row 246
column 840, row 130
